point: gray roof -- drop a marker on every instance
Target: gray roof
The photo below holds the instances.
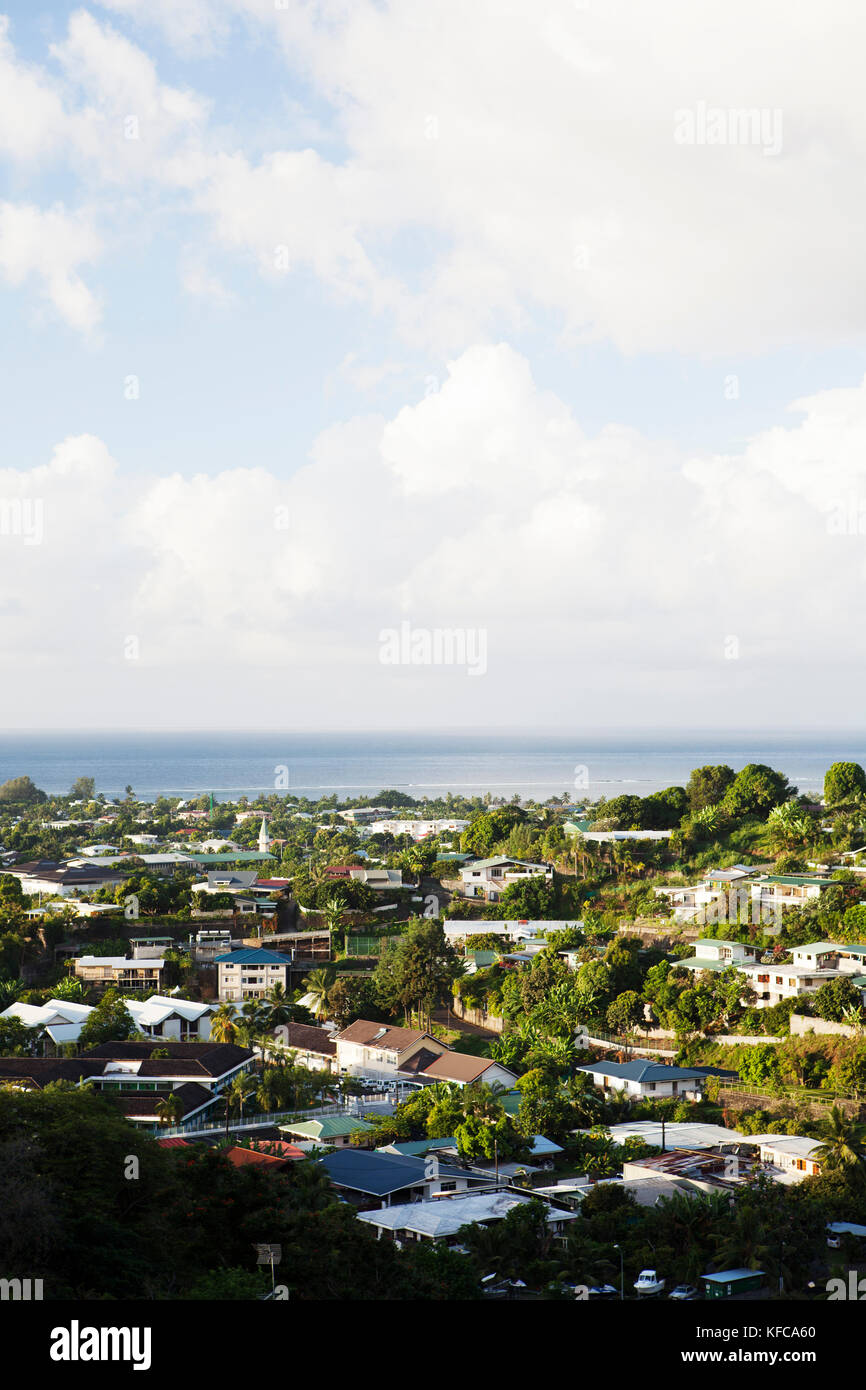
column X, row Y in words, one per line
column 378, row 1173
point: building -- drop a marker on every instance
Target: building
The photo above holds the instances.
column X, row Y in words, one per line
column 731, row 1282
column 226, row 881
column 788, row 1157
column 380, row 1051
column 522, row 930
column 205, row 946
column 380, row 880
column 330, row 1130
column 487, row 878
column 264, row 837
column 46, row 876
column 459, row 1068
column 712, row 954
column 418, row 829
column 310, row 1047
column 390, row 1179
column 771, row 891
column 119, row 972
column 440, row 1219
column 136, row 1080
column 250, row 974
column 774, row 983
column 649, row 1080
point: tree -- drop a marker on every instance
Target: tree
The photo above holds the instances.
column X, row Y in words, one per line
column 169, row 1108
column 707, row 786
column 223, row 1028
column 21, row 790
column 318, row 985
column 840, row 1143
column 844, row 782
column 755, row 790
column 83, row 789
column 626, row 1013
column 417, row 969
column 110, row 1021
column 834, row 998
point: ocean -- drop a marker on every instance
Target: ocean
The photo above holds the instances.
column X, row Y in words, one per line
column 322, row 764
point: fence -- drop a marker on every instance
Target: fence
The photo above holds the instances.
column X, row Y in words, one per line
column 208, row 1124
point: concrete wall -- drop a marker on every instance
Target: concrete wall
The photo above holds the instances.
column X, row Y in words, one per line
column 801, row 1024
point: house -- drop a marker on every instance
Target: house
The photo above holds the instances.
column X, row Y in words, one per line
column 392, row 1179
column 119, row 972
column 787, row 890
column 440, row 1219
column 310, row 1047
column 774, row 983
column 378, row 879
column 61, row 1019
column 205, row 946
column 226, row 881
column 163, row 1016
column 336, row 1130
column 459, row 1068
column 788, row 1157
column 520, row 930
column 89, row 850
column 486, row 878
column 649, row 1080
column 731, row 1282
column 381, row 1051
column 418, row 829
column 250, row 974
column 158, row 1017
column 831, row 955
column 715, row 955
column 61, row 880
column 131, row 1076
column 256, row 1158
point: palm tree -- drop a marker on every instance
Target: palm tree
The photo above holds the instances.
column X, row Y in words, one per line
column 744, row 1242
column 169, row 1109
column 235, row 1096
column 319, row 984
column 841, row 1143
column 223, row 1028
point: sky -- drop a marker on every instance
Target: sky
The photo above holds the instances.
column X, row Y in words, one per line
column 401, row 365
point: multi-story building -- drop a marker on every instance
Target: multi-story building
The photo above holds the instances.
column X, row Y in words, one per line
column 121, row 972
column 250, row 974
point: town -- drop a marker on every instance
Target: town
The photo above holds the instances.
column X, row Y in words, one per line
column 462, row 1049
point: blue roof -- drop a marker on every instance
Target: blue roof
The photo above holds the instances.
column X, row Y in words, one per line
column 542, row 1146
column 727, row 1276
column 644, row 1071
column 414, row 1148
column 379, row 1173
column 253, row 956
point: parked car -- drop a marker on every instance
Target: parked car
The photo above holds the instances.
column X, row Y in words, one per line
column 648, row 1282
column 683, row 1292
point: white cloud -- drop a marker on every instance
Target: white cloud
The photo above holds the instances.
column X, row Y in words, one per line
column 50, row 245
column 608, row 572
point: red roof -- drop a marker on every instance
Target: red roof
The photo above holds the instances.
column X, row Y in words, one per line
column 173, row 1144
column 239, row 1158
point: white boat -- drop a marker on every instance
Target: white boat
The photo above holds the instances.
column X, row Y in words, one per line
column 648, row 1282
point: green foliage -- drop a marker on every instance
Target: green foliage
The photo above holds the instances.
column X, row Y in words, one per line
column 110, row 1021
column 844, row 782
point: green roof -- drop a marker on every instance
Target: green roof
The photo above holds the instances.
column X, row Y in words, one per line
column 795, row 879
column 327, row 1126
column 235, row 856
column 510, row 1102
column 718, row 941
column 821, row 946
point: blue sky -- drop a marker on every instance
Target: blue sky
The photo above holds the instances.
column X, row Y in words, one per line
column 529, row 369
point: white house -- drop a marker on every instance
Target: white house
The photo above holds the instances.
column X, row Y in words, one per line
column 418, row 829
column 713, row 954
column 381, row 1052
column 523, row 930
column 486, row 878
column 440, row 1218
column 791, row 1157
column 250, row 974
column 774, row 983
column 648, row 1080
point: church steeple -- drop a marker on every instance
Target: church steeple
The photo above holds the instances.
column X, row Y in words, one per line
column 264, row 837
